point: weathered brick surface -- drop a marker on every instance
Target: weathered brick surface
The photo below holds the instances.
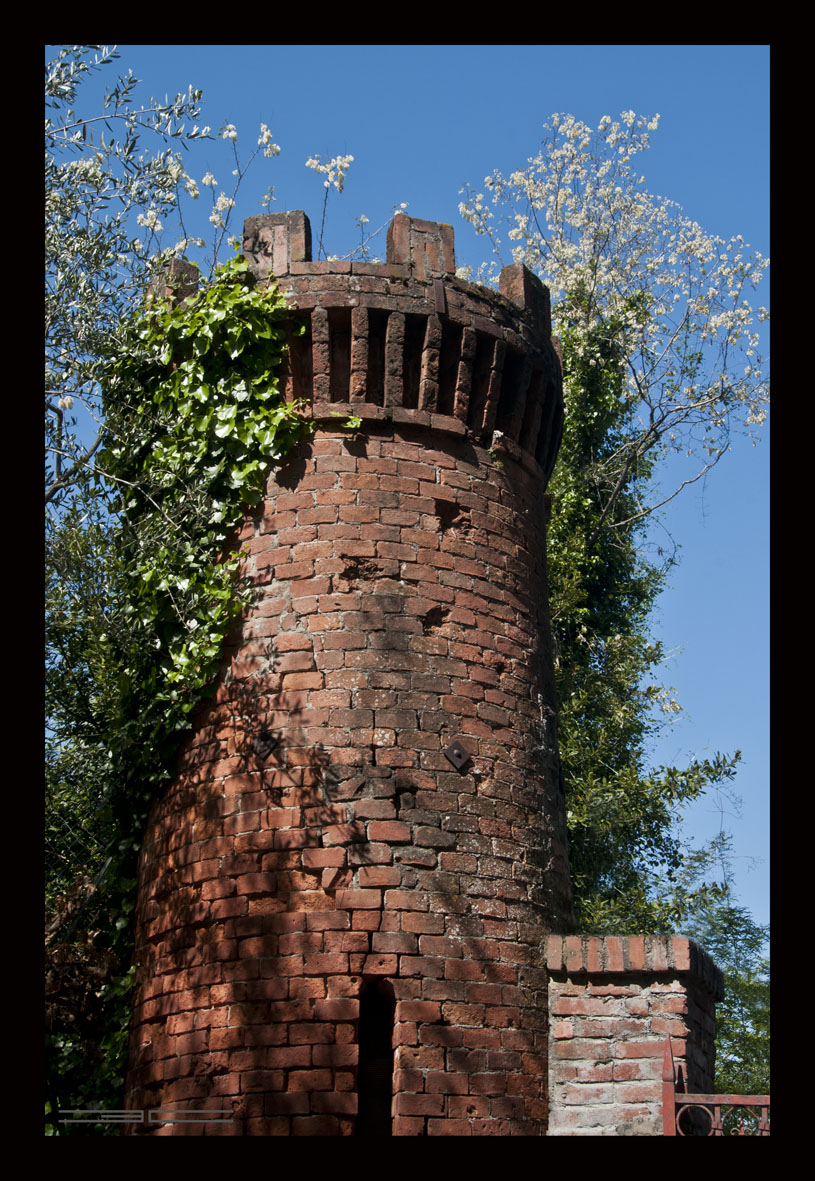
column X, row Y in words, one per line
column 612, row 1001
column 401, row 605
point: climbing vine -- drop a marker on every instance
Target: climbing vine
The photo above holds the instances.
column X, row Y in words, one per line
column 195, row 420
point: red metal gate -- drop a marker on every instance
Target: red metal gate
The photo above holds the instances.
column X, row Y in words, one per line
column 684, row 1114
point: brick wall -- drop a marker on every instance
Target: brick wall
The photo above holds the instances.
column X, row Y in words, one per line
column 612, row 1002
column 321, row 833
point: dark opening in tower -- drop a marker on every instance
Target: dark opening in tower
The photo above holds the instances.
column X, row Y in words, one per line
column 297, row 369
column 377, row 332
column 448, row 365
column 479, row 392
column 415, row 328
column 339, row 327
column 511, row 394
column 377, row 1005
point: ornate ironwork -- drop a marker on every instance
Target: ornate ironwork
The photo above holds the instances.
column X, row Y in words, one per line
column 685, row 1114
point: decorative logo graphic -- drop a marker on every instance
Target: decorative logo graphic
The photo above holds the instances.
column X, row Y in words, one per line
column 156, row 1115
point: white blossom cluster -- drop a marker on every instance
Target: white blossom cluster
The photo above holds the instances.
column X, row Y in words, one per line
column 219, row 208
column 334, row 170
column 149, row 219
column 265, row 141
column 619, row 260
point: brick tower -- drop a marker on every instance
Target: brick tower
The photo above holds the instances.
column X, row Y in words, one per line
column 344, row 896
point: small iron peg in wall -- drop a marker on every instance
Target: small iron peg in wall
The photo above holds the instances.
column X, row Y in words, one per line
column 265, row 742
column 457, row 755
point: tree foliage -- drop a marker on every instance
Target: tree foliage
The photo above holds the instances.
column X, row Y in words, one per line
column 81, row 963
column 660, row 358
column 194, row 422
column 101, row 185
column 162, row 423
column 621, row 814
column 739, row 945
column 630, row 269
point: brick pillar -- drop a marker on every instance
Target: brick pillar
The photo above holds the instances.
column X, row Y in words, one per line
column 274, row 241
column 177, row 282
column 426, row 247
column 612, row 1000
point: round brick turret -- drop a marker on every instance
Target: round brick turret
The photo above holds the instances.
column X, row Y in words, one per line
column 344, row 895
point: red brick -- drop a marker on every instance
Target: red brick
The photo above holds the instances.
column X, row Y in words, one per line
column 380, row 965
column 392, row 831
column 325, row 963
column 300, row 941
column 594, row 954
column 311, row 1034
column 659, row 948
column 310, row 1080
column 418, row 1104
column 680, row 949
column 321, row 858
column 489, row 1084
column 636, row 952
column 418, row 1011
column 614, row 950
column 359, row 899
column 641, row 1049
column 370, row 875
column 311, row 680
column 403, row 1125
column 449, row 1127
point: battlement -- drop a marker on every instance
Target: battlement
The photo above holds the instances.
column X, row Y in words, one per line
column 407, row 341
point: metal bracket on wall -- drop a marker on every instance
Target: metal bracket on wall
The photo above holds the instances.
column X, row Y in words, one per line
column 265, row 743
column 457, row 755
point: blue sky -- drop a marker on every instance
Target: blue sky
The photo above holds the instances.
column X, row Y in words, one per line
column 420, row 121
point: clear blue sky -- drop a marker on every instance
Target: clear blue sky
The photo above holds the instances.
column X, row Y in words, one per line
column 420, row 121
